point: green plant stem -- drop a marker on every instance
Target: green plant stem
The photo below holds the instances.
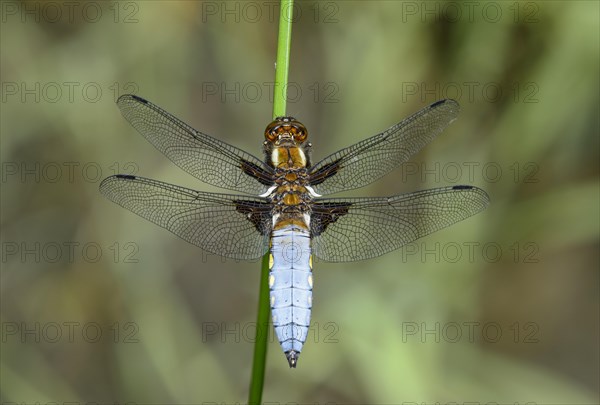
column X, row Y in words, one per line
column 261, row 338
column 284, row 41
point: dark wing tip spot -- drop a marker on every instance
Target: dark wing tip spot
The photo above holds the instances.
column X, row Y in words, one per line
column 125, row 176
column 462, row 187
column 131, row 96
column 141, row 100
column 445, row 101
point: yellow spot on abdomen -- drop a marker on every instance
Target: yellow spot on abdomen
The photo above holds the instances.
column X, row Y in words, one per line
column 290, row 222
column 291, row 199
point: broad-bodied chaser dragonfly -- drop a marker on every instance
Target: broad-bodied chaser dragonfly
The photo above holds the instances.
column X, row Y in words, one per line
column 282, row 211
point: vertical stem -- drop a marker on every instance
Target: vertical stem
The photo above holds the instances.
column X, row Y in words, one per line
column 261, row 338
column 284, row 42
column 279, row 107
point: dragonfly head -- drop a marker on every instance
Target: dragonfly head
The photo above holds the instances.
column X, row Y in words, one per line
column 286, row 130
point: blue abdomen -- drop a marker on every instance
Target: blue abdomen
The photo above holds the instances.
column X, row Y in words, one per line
column 290, row 281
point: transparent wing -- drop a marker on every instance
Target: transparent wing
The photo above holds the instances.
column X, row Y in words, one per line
column 345, row 230
column 204, row 157
column 232, row 226
column 368, row 160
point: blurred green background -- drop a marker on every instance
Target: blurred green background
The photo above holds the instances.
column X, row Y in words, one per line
column 99, row 305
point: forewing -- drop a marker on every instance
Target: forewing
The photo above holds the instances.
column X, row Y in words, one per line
column 232, row 226
column 368, row 160
column 345, row 230
column 204, row 157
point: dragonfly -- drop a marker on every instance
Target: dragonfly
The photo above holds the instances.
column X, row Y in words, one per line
column 281, row 209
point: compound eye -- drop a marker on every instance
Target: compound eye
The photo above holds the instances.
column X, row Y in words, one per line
column 300, row 132
column 271, row 135
column 300, row 135
column 271, row 131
